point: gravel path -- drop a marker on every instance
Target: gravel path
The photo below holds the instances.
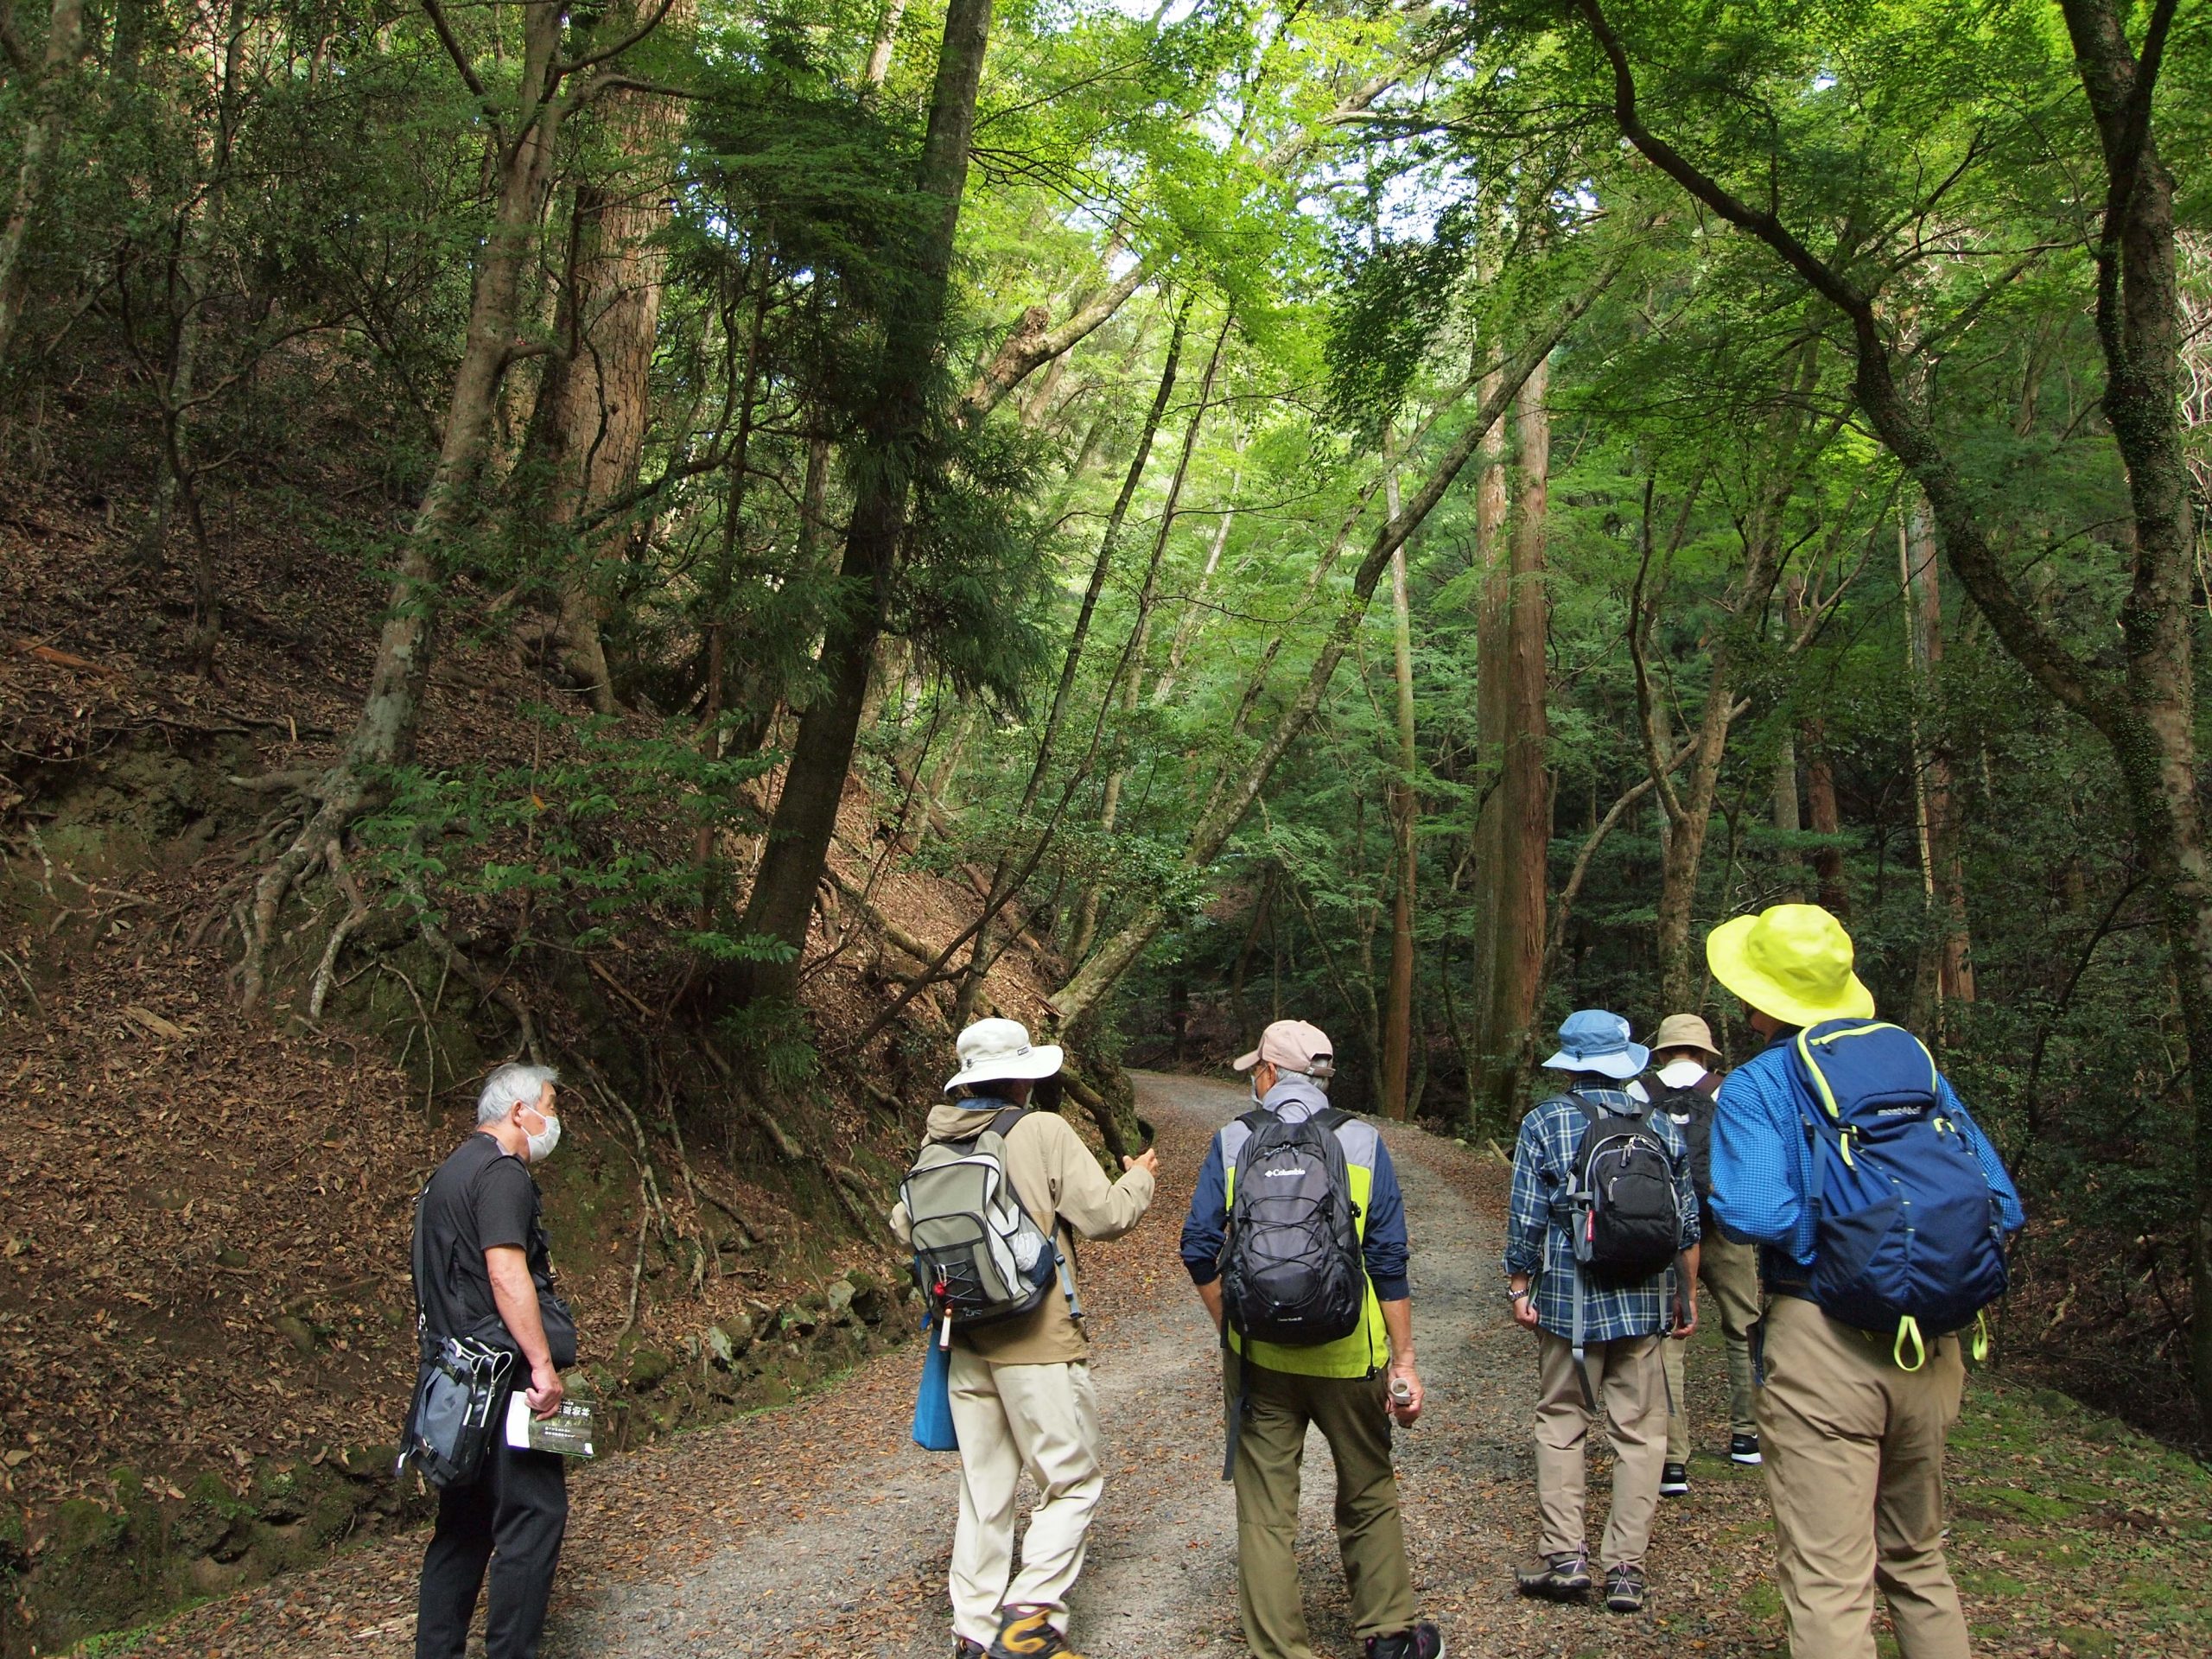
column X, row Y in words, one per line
column 819, row 1528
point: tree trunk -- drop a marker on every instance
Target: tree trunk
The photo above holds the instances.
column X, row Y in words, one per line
column 50, row 104
column 878, row 57
column 1523, row 791
column 1823, row 819
column 1937, row 771
column 782, row 901
column 1493, row 613
column 1194, row 619
column 1405, row 814
column 384, row 733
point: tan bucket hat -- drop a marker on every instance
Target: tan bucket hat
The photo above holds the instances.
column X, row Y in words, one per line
column 1684, row 1031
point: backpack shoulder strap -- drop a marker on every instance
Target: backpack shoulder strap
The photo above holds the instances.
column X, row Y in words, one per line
column 1331, row 1118
column 1003, row 1122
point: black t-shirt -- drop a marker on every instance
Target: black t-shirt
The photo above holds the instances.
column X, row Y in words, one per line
column 481, row 1197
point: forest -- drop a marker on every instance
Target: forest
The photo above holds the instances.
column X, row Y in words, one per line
column 711, row 542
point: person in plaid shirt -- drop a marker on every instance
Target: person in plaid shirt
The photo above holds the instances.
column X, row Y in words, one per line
column 1622, row 1325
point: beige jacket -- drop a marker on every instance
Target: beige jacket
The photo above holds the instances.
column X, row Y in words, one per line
column 1053, row 1174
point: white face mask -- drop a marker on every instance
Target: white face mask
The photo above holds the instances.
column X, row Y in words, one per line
column 542, row 1144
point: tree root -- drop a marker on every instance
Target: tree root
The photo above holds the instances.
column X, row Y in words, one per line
column 356, row 913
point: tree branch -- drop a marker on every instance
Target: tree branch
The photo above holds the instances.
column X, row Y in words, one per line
column 469, row 75
column 562, row 71
column 1899, row 420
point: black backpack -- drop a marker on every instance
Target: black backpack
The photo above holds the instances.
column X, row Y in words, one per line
column 1292, row 1268
column 1621, row 1209
column 1691, row 1110
column 1292, row 1271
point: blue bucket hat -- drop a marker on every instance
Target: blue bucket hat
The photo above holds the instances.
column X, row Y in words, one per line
column 1591, row 1039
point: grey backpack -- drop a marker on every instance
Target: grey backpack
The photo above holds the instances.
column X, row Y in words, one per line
column 978, row 1257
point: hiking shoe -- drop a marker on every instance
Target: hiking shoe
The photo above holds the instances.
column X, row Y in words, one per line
column 1624, row 1589
column 1028, row 1633
column 1674, row 1481
column 1556, row 1577
column 1422, row 1641
column 963, row 1649
column 1745, row 1449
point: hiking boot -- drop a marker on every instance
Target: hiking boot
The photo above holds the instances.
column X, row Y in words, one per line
column 1745, row 1449
column 1028, row 1633
column 1624, row 1589
column 1674, row 1481
column 1423, row 1640
column 1557, row 1578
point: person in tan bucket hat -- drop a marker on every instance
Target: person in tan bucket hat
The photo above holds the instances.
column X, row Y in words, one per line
column 1687, row 1079
column 1853, row 1433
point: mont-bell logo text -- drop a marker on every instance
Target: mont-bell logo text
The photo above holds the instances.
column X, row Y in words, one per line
column 1901, row 1111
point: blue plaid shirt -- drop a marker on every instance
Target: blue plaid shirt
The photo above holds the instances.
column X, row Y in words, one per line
column 1536, row 1238
column 1763, row 1158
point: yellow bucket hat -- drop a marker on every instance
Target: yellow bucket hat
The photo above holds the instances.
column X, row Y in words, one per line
column 1791, row 961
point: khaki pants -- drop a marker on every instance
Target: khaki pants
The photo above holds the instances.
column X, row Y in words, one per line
column 1730, row 1272
column 1349, row 1413
column 1854, row 1469
column 1629, row 1380
column 1041, row 1421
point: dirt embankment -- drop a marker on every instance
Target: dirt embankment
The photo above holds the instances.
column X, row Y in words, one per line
column 818, row 1529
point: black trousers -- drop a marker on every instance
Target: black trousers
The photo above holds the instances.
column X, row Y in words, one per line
column 511, row 1516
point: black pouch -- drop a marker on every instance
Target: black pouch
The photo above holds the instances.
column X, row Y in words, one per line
column 461, row 1393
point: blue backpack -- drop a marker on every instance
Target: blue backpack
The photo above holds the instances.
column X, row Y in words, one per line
column 1910, row 1237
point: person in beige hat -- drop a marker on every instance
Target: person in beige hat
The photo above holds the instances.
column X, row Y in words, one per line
column 1854, row 1439
column 1022, row 1394
column 1684, row 1059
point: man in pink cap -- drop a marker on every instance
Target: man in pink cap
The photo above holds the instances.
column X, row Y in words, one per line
column 1352, row 1386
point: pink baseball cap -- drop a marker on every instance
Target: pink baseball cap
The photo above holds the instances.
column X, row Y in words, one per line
column 1292, row 1045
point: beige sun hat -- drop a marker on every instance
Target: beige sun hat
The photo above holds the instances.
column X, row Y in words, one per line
column 1684, row 1031
column 993, row 1050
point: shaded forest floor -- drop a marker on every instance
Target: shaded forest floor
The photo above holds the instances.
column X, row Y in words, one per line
column 817, row 1527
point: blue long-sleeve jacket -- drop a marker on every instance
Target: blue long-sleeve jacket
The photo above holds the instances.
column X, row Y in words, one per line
column 1762, row 1159
column 1383, row 1237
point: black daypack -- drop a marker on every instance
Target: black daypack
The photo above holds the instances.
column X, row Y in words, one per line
column 1291, row 1268
column 1691, row 1110
column 1622, row 1213
column 1619, row 1210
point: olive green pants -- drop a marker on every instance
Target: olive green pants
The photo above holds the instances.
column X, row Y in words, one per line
column 1349, row 1413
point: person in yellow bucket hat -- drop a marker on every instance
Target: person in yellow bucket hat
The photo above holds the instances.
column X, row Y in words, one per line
column 1852, row 1441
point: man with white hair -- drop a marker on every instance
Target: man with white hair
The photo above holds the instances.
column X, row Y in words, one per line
column 486, row 1273
column 1022, row 1395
